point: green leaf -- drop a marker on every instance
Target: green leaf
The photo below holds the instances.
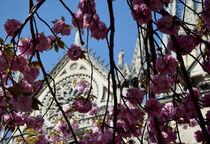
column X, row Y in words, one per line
column 60, row 43
column 35, row 64
column 62, row 18
column 7, row 69
column 56, row 47
column 8, row 51
column 19, row 140
column 71, row 27
column 50, row 47
column 15, row 90
column 82, row 56
column 36, row 103
column 54, row 21
column 89, row 131
column 1, row 40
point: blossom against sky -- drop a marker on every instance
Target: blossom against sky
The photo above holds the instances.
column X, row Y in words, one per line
column 125, row 35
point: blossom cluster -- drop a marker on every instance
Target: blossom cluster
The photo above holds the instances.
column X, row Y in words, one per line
column 74, row 52
column 61, row 27
column 27, row 47
column 11, row 26
column 141, row 9
column 206, row 14
column 87, row 17
column 186, row 43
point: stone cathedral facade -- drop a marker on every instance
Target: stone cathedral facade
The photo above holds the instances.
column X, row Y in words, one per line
column 67, row 71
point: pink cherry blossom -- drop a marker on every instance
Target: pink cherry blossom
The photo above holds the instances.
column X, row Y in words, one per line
column 94, row 109
column 18, row 63
column 74, row 52
column 6, row 117
column 39, row 0
column 66, row 31
column 166, row 1
column 82, row 105
column 51, row 39
column 25, row 46
column 91, row 21
column 142, row 14
column 208, row 121
column 58, row 26
column 159, row 84
column 82, row 86
column 167, row 111
column 166, row 64
column 43, row 42
column 99, row 31
column 207, row 5
column 137, row 2
column 206, row 100
column 39, row 122
column 23, row 103
column 167, row 25
column 193, row 123
column 63, row 128
column 30, row 74
column 20, row 118
column 206, row 14
column 206, row 65
column 156, row 5
column 42, row 139
column 195, row 92
column 11, row 26
column 3, row 62
column 87, row 6
column 79, row 17
column 153, row 107
column 199, row 136
column 30, row 122
column 134, row 96
column 35, row 122
column 186, row 43
column 66, row 109
column 169, row 136
column 61, row 27
column 152, row 130
column 55, row 139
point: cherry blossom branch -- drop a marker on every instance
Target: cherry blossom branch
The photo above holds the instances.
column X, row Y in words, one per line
column 112, row 64
column 189, row 86
column 153, row 53
column 33, row 10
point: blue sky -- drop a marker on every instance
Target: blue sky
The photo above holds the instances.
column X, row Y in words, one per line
column 125, row 36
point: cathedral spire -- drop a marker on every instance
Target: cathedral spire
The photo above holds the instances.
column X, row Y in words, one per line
column 139, row 54
column 77, row 40
column 120, row 58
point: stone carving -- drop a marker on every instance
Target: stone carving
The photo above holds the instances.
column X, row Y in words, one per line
column 73, row 66
column 65, row 91
column 120, row 59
